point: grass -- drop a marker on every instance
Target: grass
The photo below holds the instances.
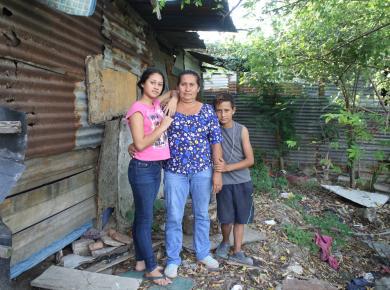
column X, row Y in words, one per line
column 327, row 224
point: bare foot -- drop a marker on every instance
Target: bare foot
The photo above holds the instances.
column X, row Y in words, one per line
column 140, row 266
column 157, row 278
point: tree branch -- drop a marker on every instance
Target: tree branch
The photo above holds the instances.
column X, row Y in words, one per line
column 358, row 37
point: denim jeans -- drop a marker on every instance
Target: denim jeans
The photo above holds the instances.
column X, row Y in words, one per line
column 144, row 178
column 176, row 188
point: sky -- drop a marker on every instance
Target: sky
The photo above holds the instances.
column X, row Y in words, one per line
column 241, row 21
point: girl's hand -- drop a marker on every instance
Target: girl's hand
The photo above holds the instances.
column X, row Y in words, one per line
column 170, row 107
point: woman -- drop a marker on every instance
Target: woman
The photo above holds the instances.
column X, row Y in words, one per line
column 194, row 140
column 148, row 127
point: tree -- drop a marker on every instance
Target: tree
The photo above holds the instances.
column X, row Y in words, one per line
column 343, row 42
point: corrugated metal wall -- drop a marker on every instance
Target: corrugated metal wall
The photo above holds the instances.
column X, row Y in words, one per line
column 42, row 73
column 308, row 108
column 42, row 55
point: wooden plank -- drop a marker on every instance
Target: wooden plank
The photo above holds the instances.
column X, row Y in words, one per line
column 59, row 278
column 103, row 265
column 43, row 170
column 41, row 235
column 110, row 92
column 53, row 248
column 26, row 209
column 10, row 127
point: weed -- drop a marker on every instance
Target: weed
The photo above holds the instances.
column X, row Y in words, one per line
column 300, row 237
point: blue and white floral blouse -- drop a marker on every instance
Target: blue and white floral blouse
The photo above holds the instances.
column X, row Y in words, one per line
column 190, row 139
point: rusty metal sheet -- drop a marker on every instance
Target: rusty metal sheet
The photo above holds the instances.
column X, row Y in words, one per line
column 43, row 59
column 110, row 92
column 34, row 33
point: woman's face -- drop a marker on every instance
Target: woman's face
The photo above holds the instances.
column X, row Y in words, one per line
column 153, row 86
column 188, row 88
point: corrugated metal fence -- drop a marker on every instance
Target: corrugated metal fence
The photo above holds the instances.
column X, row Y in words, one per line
column 308, row 107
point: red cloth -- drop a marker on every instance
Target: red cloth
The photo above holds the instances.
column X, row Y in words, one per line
column 325, row 243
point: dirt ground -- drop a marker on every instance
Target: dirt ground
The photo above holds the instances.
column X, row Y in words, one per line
column 277, row 257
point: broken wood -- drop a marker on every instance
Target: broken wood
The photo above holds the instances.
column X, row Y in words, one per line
column 59, row 278
column 103, row 265
column 10, row 127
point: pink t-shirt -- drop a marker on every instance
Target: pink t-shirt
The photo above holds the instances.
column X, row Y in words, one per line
column 152, row 118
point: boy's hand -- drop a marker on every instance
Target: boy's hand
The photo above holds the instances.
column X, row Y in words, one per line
column 221, row 166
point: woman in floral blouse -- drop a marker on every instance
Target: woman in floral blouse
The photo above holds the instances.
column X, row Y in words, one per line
column 195, row 142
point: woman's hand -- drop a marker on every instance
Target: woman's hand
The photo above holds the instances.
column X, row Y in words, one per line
column 131, row 149
column 217, row 182
column 170, row 107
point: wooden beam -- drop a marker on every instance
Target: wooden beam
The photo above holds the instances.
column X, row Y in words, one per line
column 10, row 127
column 39, row 236
column 44, row 170
column 28, row 208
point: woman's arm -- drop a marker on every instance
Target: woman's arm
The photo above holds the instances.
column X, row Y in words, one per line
column 141, row 141
column 217, row 176
column 248, row 153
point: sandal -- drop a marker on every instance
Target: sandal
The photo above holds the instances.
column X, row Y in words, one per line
column 155, row 278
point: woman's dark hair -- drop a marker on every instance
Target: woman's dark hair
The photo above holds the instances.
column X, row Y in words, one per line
column 146, row 74
column 224, row 97
column 189, row 72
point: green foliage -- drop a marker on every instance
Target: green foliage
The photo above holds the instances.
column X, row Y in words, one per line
column 300, row 237
column 330, row 225
column 261, row 177
column 327, row 224
column 340, row 42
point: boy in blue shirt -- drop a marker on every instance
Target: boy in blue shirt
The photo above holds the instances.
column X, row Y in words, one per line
column 235, row 200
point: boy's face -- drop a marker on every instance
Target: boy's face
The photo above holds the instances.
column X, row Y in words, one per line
column 225, row 112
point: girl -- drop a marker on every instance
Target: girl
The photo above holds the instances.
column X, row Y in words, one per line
column 148, row 127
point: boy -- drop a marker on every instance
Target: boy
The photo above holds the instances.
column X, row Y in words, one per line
column 235, row 200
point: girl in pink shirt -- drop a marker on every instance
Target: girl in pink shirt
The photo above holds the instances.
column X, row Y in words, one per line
column 148, row 126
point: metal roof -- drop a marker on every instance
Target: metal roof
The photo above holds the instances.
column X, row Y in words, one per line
column 191, row 18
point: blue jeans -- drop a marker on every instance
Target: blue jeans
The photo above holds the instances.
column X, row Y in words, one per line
column 144, row 178
column 176, row 188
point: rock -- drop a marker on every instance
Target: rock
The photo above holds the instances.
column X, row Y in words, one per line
column 382, row 284
column 295, row 268
column 311, row 284
column 80, row 247
column 368, row 214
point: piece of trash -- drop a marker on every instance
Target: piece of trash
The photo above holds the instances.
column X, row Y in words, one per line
column 369, row 277
column 325, row 243
column 286, row 195
column 357, row 284
column 296, row 268
column 270, row 222
column 236, row 287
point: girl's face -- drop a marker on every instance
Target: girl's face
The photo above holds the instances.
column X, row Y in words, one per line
column 188, row 88
column 153, row 86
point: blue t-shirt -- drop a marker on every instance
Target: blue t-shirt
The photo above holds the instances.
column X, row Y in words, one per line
column 190, row 139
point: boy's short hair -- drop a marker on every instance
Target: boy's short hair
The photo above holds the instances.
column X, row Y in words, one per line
column 224, row 97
